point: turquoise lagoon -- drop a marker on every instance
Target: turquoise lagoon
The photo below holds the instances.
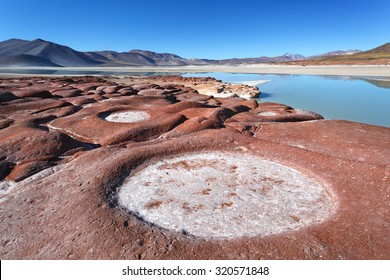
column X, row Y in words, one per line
column 359, row 99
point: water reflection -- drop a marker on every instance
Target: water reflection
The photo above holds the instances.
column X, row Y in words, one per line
column 382, row 83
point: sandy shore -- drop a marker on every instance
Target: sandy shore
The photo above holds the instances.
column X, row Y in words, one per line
column 344, row 70
column 369, row 70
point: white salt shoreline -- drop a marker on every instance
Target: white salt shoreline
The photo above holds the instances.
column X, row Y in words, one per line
column 341, row 70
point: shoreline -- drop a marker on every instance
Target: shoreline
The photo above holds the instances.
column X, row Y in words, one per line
column 339, row 70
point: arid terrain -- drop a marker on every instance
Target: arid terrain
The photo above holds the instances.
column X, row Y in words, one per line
column 376, row 56
column 149, row 168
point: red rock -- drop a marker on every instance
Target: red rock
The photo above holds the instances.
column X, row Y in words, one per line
column 213, row 102
column 194, row 97
column 275, row 113
column 238, row 126
column 33, row 92
column 190, row 126
column 67, row 92
column 127, row 91
column 181, row 106
column 336, row 238
column 5, row 168
column 60, row 112
column 126, row 88
column 96, row 96
column 87, row 125
column 153, row 92
column 86, row 87
column 5, row 123
column 22, row 171
column 143, row 86
column 339, row 139
column 217, row 115
column 73, row 206
column 7, row 96
column 238, row 105
column 95, row 92
column 82, row 100
column 109, row 89
column 26, row 107
column 25, row 140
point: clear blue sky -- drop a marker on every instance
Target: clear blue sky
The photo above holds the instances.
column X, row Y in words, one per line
column 201, row 28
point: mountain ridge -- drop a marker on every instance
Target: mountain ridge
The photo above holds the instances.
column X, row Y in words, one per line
column 38, row 52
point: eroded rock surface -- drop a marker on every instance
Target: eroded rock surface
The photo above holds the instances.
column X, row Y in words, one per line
column 207, row 86
column 287, row 185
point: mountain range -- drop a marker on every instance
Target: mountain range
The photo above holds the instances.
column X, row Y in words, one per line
column 21, row 53
column 376, row 56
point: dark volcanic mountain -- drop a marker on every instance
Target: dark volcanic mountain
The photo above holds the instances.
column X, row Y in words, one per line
column 15, row 52
column 137, row 58
column 41, row 53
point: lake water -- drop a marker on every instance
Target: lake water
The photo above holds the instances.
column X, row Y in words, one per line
column 365, row 100
column 359, row 99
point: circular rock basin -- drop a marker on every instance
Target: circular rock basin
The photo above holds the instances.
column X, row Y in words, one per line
column 127, row 117
column 225, row 195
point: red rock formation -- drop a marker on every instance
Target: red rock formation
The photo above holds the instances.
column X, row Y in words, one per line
column 62, row 163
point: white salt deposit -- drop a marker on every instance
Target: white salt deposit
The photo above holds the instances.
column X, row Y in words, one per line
column 127, row 117
column 267, row 114
column 254, row 83
column 226, row 195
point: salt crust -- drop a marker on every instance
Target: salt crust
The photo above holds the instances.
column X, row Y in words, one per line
column 267, row 113
column 226, row 195
column 128, row 117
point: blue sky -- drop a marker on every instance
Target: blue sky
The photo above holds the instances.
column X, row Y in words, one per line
column 201, row 29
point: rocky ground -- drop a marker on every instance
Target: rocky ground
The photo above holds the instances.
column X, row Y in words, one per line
column 69, row 146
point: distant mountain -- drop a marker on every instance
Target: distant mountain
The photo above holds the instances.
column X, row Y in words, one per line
column 381, row 49
column 291, row 56
column 42, row 52
column 332, row 53
column 379, row 55
column 137, row 58
column 262, row 59
column 16, row 52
